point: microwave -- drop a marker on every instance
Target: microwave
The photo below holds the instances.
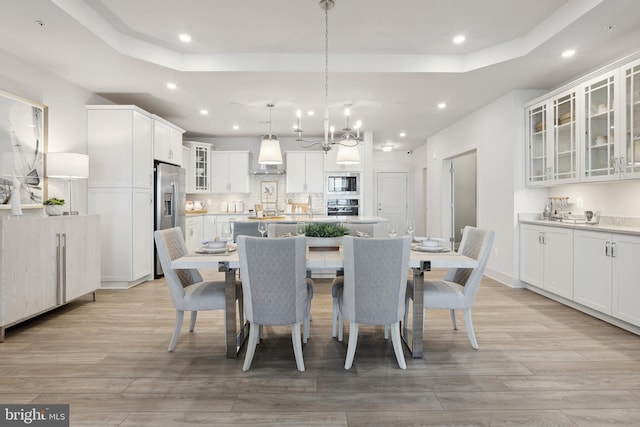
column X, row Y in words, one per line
column 340, row 184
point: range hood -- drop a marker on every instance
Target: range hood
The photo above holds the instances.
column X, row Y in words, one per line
column 267, row 169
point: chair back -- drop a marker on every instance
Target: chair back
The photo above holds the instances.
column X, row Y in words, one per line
column 171, row 245
column 274, row 281
column 275, row 229
column 375, row 279
column 476, row 243
column 245, row 228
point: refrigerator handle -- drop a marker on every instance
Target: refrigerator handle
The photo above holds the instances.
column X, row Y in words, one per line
column 174, row 208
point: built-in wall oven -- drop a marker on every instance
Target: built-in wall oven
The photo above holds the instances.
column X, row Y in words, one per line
column 343, row 184
column 343, row 207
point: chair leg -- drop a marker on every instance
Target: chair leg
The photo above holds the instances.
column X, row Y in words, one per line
column 386, row 331
column 261, row 335
column 453, row 319
column 405, row 320
column 469, row 325
column 305, row 331
column 353, row 342
column 297, row 346
column 397, row 344
column 192, row 324
column 334, row 318
column 340, row 327
column 176, row 329
column 254, row 332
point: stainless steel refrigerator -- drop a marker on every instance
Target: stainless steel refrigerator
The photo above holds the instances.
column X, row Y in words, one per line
column 170, row 198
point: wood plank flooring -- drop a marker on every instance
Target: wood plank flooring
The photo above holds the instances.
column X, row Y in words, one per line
column 539, row 363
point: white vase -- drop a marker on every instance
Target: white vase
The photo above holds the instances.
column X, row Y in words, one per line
column 53, row 210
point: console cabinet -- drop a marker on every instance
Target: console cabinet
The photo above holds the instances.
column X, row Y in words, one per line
column 46, row 262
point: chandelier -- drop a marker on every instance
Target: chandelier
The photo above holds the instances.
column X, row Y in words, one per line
column 347, row 141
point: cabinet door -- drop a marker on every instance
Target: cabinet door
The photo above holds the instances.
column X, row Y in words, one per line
column 537, row 163
column 175, row 146
column 239, row 172
column 193, row 233
column 531, row 255
column 558, row 261
column 161, row 141
column 28, row 271
column 600, row 159
column 296, row 172
column 81, row 245
column 219, row 172
column 626, row 278
column 200, row 168
column 142, row 238
column 630, row 158
column 142, row 174
column 564, row 141
column 592, row 270
column 314, row 164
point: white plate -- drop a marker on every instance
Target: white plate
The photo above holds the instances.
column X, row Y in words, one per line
column 420, row 239
column 205, row 250
column 438, row 249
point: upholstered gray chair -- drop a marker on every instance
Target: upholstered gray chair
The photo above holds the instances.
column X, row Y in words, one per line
column 359, row 229
column 187, row 289
column 459, row 287
column 375, row 282
column 245, row 228
column 278, row 229
column 275, row 288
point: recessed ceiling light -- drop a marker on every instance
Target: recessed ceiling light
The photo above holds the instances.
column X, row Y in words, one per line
column 236, row 127
column 311, row 113
column 185, row 38
column 568, row 53
column 172, row 86
column 403, row 134
column 442, row 105
column 459, row 39
column 204, row 112
column 386, row 147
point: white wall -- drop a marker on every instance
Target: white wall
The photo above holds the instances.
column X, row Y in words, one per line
column 67, row 116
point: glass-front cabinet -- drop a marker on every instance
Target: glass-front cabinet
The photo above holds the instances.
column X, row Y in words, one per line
column 630, row 163
column 601, row 158
column 552, row 135
column 198, row 167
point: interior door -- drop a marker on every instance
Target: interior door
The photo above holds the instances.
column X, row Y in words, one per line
column 463, row 194
column 392, row 198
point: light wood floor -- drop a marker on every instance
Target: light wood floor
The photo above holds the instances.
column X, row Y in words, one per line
column 539, row 363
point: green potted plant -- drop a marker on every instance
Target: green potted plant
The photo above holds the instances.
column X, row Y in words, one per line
column 53, row 206
column 321, row 235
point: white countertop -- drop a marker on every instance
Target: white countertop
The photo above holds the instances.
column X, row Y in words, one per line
column 620, row 225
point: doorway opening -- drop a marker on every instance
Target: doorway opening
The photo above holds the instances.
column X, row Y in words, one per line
column 463, row 194
column 392, row 198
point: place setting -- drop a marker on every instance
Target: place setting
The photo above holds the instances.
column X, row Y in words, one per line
column 430, row 244
column 216, row 246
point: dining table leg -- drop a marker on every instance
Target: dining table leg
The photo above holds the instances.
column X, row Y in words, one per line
column 234, row 336
column 413, row 336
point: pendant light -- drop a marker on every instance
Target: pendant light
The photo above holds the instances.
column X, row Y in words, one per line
column 270, row 153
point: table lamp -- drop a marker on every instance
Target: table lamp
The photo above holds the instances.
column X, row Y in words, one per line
column 68, row 166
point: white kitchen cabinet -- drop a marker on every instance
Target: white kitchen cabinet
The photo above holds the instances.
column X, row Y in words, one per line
column 630, row 161
column 305, row 172
column 127, row 227
column 553, row 141
column 46, row 262
column 330, row 164
column 198, row 167
column 546, row 258
column 606, row 274
column 193, row 233
column 120, row 145
column 167, row 142
column 230, row 172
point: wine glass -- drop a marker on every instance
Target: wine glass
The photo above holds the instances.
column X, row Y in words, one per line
column 225, row 231
column 262, row 227
column 391, row 229
column 411, row 228
column 300, row 227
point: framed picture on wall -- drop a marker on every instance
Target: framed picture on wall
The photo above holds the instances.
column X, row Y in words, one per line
column 268, row 192
column 23, row 130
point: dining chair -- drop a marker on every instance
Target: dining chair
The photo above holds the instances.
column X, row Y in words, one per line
column 459, row 287
column 279, row 229
column 275, row 288
column 188, row 290
column 245, row 228
column 375, row 282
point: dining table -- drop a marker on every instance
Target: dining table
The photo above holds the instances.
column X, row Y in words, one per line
column 420, row 261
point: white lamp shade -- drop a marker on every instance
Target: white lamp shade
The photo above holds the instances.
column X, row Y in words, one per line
column 348, row 154
column 270, row 153
column 67, row 165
